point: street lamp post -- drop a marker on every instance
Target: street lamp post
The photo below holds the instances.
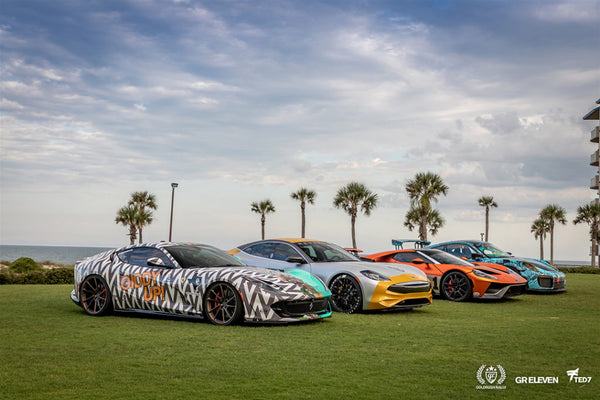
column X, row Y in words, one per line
column 173, row 186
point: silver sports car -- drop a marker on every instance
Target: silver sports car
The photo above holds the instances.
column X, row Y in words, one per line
column 195, row 280
column 354, row 284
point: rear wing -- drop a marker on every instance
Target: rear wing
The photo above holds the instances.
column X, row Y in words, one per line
column 399, row 243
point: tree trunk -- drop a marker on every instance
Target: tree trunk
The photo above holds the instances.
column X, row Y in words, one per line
column 423, row 228
column 262, row 226
column 594, row 244
column 487, row 222
column 552, row 243
column 132, row 234
column 140, row 233
column 541, row 247
column 302, row 207
column 353, row 223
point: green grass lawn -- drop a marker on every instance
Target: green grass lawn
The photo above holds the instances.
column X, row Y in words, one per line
column 50, row 349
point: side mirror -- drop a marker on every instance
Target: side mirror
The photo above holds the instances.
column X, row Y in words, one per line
column 509, row 253
column 295, row 260
column 475, row 256
column 155, row 262
column 418, row 261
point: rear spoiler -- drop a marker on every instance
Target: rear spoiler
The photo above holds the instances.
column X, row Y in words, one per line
column 399, row 243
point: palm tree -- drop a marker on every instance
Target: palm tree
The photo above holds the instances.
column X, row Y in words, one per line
column 415, row 216
column 487, row 202
column 590, row 214
column 422, row 190
column 351, row 198
column 305, row 196
column 540, row 228
column 553, row 213
column 127, row 216
column 143, row 201
column 264, row 207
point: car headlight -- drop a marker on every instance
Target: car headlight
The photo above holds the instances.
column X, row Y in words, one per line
column 265, row 284
column 482, row 274
column 374, row 275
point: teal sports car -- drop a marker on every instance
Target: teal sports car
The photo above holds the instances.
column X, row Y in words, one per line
column 541, row 275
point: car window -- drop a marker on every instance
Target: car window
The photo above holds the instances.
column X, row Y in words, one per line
column 282, row 252
column 260, row 249
column 491, row 250
column 139, row 256
column 460, row 250
column 445, row 258
column 325, row 252
column 202, row 256
column 406, row 257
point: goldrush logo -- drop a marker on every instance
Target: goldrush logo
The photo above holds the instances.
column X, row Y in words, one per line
column 494, row 377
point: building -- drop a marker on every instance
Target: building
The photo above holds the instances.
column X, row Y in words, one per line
column 594, row 115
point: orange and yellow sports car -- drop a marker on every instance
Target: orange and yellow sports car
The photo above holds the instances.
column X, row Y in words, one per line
column 456, row 279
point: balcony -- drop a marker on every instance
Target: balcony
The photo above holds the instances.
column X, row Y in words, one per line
column 594, row 183
column 595, row 135
column 595, row 158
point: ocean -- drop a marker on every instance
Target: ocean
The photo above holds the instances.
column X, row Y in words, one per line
column 70, row 254
column 67, row 255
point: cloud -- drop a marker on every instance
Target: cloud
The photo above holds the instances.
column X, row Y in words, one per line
column 262, row 97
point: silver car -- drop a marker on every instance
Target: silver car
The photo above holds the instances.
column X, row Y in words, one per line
column 355, row 284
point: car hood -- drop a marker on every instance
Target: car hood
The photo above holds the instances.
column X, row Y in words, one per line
column 545, row 267
column 282, row 281
column 387, row 269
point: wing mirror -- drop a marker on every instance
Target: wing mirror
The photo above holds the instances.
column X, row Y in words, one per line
column 295, row 260
column 155, row 262
column 418, row 261
column 475, row 256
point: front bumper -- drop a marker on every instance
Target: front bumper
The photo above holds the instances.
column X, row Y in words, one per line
column 546, row 283
column 75, row 298
column 405, row 294
column 498, row 291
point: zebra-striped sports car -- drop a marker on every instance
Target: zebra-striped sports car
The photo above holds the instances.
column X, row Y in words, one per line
column 195, row 280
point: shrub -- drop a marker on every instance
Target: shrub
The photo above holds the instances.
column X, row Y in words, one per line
column 580, row 270
column 24, row 264
column 57, row 276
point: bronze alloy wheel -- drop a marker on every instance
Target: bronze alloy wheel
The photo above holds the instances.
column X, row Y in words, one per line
column 95, row 295
column 223, row 304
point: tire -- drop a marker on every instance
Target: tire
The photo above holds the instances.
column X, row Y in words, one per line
column 456, row 286
column 346, row 295
column 95, row 296
column 222, row 304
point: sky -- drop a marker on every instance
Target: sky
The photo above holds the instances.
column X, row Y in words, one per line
column 242, row 101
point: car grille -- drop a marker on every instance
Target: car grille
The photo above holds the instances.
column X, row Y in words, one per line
column 300, row 307
column 412, row 303
column 516, row 290
column 545, row 281
column 410, row 287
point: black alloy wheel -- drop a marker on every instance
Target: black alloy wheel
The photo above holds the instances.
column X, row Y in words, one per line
column 95, row 296
column 223, row 304
column 346, row 296
column 456, row 286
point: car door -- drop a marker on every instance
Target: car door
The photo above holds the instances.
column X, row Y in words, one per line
column 282, row 252
column 428, row 267
column 146, row 276
column 258, row 254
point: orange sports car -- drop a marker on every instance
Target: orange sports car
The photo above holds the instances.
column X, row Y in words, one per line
column 456, row 279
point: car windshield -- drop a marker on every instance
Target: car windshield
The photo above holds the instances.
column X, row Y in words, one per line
column 490, row 250
column 202, row 256
column 442, row 257
column 325, row 252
